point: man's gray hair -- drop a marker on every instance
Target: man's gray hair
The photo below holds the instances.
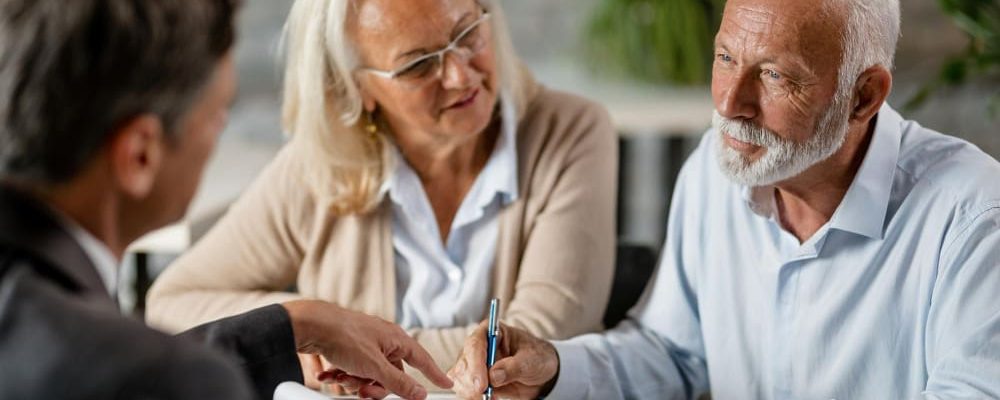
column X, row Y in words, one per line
column 73, row 71
column 869, row 38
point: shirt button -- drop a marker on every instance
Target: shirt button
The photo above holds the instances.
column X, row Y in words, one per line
column 455, row 275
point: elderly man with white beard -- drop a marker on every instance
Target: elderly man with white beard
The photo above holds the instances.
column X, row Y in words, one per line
column 819, row 245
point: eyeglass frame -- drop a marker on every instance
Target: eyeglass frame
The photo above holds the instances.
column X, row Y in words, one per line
column 452, row 46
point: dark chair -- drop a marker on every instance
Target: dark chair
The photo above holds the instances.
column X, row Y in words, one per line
column 634, row 266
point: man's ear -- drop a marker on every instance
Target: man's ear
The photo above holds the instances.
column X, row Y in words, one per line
column 871, row 90
column 136, row 153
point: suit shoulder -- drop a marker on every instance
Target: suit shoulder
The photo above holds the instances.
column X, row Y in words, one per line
column 48, row 331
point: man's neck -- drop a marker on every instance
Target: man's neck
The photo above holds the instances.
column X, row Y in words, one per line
column 93, row 210
column 806, row 202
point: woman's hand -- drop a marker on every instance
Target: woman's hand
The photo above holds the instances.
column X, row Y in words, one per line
column 366, row 350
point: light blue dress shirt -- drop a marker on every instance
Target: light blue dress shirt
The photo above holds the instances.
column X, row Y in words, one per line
column 447, row 285
column 896, row 297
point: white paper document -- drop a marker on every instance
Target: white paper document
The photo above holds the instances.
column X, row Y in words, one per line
column 295, row 391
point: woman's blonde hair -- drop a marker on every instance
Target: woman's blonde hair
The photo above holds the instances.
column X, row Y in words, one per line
column 345, row 165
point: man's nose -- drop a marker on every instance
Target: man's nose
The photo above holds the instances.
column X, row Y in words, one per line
column 738, row 97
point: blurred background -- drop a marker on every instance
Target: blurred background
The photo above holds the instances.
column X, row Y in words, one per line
column 647, row 61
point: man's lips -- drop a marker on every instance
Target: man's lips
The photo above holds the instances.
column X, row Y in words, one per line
column 466, row 101
column 739, row 145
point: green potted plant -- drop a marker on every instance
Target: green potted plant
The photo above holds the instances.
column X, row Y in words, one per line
column 980, row 20
column 659, row 41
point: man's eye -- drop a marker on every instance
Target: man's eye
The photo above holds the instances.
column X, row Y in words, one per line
column 724, row 58
column 771, row 74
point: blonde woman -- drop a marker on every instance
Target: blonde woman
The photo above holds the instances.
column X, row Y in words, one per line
column 426, row 173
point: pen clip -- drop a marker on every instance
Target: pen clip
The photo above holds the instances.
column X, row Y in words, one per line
column 494, row 324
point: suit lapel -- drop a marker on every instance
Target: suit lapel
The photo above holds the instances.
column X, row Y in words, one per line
column 29, row 227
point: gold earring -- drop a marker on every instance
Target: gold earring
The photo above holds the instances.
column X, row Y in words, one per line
column 370, row 125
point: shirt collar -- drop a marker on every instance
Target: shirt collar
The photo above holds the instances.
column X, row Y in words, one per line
column 866, row 203
column 500, row 172
column 98, row 253
column 498, row 177
column 864, row 207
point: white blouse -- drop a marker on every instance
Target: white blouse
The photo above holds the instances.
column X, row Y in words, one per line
column 446, row 285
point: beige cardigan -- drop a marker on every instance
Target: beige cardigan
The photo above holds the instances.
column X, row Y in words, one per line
column 555, row 250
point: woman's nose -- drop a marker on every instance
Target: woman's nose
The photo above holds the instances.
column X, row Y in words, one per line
column 456, row 71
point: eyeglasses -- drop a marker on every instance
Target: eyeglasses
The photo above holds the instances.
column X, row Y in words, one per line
column 428, row 67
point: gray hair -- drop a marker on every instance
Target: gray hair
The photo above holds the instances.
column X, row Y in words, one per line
column 72, row 71
column 323, row 105
column 870, row 35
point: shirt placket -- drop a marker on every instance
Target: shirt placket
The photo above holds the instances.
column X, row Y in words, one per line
column 785, row 317
column 454, row 273
column 785, row 332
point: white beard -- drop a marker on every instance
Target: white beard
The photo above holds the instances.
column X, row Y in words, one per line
column 782, row 159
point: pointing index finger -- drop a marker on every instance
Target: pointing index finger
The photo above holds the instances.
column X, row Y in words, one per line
column 418, row 358
column 398, row 382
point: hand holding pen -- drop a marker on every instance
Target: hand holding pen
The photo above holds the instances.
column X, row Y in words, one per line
column 524, row 367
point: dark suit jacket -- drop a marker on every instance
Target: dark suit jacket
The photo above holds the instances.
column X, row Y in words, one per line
column 62, row 336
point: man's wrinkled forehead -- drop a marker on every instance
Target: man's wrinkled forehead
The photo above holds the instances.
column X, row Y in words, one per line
column 810, row 28
column 754, row 17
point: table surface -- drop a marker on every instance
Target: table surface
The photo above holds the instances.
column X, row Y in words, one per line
column 432, row 396
column 295, row 391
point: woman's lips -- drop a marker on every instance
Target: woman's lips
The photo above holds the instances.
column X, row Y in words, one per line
column 468, row 100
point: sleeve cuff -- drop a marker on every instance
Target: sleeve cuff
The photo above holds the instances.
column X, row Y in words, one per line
column 573, row 381
column 260, row 341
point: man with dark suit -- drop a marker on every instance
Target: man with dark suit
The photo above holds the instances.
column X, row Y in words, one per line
column 109, row 110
